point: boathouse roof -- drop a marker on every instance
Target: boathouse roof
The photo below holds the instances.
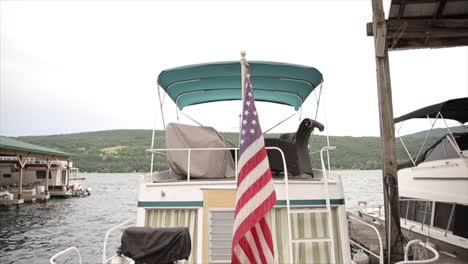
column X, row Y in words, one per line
column 413, row 24
column 12, row 147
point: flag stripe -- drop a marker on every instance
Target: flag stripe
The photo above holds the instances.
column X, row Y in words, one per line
column 253, row 189
column 253, row 176
column 247, row 249
column 253, row 246
column 240, row 256
column 267, row 233
column 254, row 203
column 251, row 219
column 257, row 164
column 250, row 151
column 256, row 240
column 263, row 242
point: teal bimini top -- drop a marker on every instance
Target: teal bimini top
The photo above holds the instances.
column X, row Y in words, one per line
column 274, row 82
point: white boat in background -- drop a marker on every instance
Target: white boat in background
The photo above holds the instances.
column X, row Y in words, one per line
column 433, row 186
column 34, row 177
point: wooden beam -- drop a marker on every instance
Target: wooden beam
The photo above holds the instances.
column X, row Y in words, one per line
column 398, row 2
column 440, row 9
column 405, row 44
column 421, row 28
column 394, row 244
column 401, row 9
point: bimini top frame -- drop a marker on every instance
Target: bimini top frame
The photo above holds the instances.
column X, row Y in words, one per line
column 455, row 109
column 274, row 82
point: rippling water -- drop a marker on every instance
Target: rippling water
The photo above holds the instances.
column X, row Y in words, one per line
column 32, row 233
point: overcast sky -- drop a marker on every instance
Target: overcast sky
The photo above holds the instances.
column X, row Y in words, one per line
column 74, row 66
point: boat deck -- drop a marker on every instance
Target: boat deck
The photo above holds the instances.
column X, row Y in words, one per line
column 367, row 237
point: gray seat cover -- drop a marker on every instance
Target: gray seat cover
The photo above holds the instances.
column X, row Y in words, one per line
column 205, row 164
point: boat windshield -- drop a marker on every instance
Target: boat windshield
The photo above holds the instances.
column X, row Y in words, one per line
column 443, row 149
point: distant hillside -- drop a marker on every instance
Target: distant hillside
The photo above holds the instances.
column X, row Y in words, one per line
column 124, row 150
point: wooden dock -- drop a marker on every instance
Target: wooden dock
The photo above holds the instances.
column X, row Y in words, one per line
column 367, row 237
column 11, row 202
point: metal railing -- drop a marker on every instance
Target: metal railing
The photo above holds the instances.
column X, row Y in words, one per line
column 427, row 211
column 380, row 257
column 426, row 246
column 52, row 259
column 160, row 151
column 189, row 155
column 105, row 259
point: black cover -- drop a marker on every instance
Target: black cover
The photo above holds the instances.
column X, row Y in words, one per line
column 455, row 109
column 296, row 150
column 147, row 245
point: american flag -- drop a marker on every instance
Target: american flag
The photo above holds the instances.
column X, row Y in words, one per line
column 252, row 241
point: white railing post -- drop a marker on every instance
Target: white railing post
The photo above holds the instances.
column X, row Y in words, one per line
column 380, row 256
column 423, row 261
column 52, row 259
column 235, row 164
column 327, row 199
column 188, row 165
column 104, row 247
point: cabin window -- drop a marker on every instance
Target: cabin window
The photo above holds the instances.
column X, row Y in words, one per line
column 460, row 228
column 176, row 218
column 442, row 215
column 220, row 234
column 415, row 210
column 40, row 174
column 7, row 175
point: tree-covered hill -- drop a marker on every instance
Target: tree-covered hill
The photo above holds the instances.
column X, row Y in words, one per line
column 125, row 150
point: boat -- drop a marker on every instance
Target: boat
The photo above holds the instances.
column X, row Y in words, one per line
column 196, row 191
column 34, row 178
column 433, row 186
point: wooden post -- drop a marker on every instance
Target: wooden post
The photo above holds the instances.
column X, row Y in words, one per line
column 20, row 180
column 46, row 187
column 393, row 234
column 68, row 173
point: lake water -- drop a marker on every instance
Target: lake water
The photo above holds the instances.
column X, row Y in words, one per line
column 32, row 233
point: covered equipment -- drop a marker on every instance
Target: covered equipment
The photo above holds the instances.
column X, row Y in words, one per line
column 295, row 147
column 204, row 164
column 156, row 245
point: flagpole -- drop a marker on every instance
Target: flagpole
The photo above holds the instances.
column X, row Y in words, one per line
column 243, row 73
column 243, row 63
